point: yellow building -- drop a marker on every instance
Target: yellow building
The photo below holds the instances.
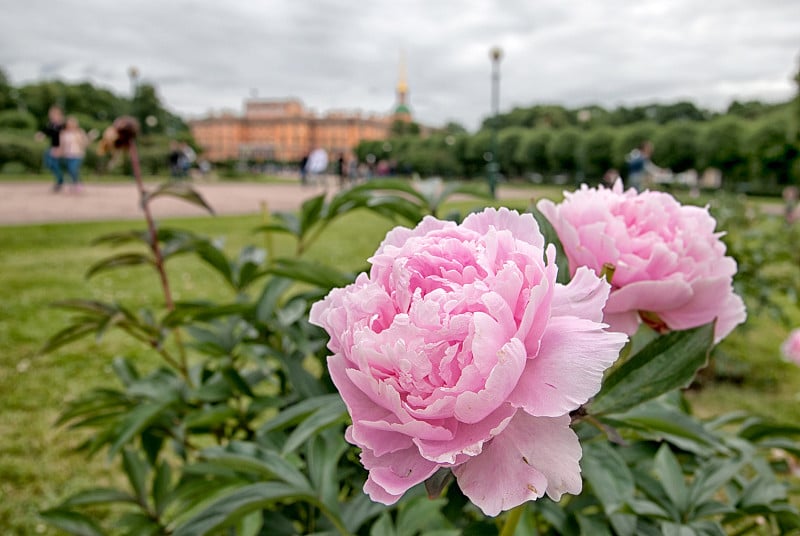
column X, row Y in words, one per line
column 284, row 130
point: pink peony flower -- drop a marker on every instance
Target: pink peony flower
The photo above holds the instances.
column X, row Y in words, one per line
column 670, row 268
column 460, row 350
column 791, row 347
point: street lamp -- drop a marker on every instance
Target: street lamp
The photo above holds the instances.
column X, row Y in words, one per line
column 492, row 167
column 133, row 75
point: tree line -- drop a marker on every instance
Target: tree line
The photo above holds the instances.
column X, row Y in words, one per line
column 755, row 145
column 23, row 111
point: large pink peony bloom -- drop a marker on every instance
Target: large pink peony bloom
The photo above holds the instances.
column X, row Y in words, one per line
column 670, row 265
column 460, row 350
column 791, row 347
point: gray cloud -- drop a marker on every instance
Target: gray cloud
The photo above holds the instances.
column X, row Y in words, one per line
column 334, row 54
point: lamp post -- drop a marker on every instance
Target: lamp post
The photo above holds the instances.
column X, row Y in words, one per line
column 492, row 167
column 133, row 75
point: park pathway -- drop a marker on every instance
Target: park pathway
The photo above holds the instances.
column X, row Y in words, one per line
column 34, row 202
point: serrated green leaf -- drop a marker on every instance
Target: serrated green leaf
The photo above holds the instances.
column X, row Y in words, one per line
column 667, row 363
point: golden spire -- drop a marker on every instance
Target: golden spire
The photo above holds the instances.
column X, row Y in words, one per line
column 402, row 84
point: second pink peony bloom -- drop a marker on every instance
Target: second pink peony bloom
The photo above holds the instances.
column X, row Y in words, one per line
column 791, row 347
column 460, row 350
column 670, row 267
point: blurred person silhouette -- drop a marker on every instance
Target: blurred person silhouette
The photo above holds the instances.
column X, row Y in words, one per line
column 52, row 156
column 73, row 142
column 303, row 170
column 791, row 207
column 341, row 170
column 188, row 158
column 610, row 177
column 174, row 159
column 317, row 163
column 640, row 166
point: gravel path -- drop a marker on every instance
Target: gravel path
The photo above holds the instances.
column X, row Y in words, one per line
column 34, row 202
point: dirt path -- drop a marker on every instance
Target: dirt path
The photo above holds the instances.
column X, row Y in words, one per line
column 34, row 202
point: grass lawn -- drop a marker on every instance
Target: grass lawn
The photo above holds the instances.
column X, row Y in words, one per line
column 45, row 263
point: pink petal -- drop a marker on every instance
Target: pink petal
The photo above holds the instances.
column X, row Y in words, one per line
column 584, row 296
column 474, row 406
column 468, row 438
column 569, row 368
column 656, row 296
column 626, row 322
column 708, row 294
column 531, row 457
column 522, row 226
column 391, row 475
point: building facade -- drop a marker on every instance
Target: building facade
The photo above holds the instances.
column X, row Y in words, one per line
column 285, row 130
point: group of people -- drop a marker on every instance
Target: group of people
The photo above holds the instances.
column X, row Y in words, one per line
column 346, row 167
column 67, row 148
column 181, row 159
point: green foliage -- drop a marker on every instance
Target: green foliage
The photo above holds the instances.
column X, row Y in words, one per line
column 20, row 148
column 17, row 120
column 676, row 146
column 598, row 151
column 237, row 427
column 562, row 151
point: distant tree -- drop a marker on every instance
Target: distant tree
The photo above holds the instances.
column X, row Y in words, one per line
column 748, row 109
column 404, row 128
column 532, row 154
column 722, row 146
column 508, row 141
column 772, row 151
column 597, row 150
column 17, row 120
column 6, row 92
column 453, row 127
column 475, row 151
column 629, row 138
column 676, row 146
column 563, row 151
column 679, row 111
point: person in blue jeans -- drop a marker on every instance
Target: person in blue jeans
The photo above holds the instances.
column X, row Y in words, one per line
column 73, row 149
column 52, row 156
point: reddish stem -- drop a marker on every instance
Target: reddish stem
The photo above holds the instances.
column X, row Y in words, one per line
column 151, row 226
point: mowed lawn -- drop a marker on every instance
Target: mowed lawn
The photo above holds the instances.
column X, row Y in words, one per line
column 46, row 263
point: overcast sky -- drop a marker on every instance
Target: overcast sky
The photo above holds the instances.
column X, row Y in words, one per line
column 206, row 55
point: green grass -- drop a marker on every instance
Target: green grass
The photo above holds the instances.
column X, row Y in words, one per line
column 46, row 263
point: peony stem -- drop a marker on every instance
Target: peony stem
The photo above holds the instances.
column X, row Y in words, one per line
column 158, row 257
column 151, row 226
column 512, row 519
